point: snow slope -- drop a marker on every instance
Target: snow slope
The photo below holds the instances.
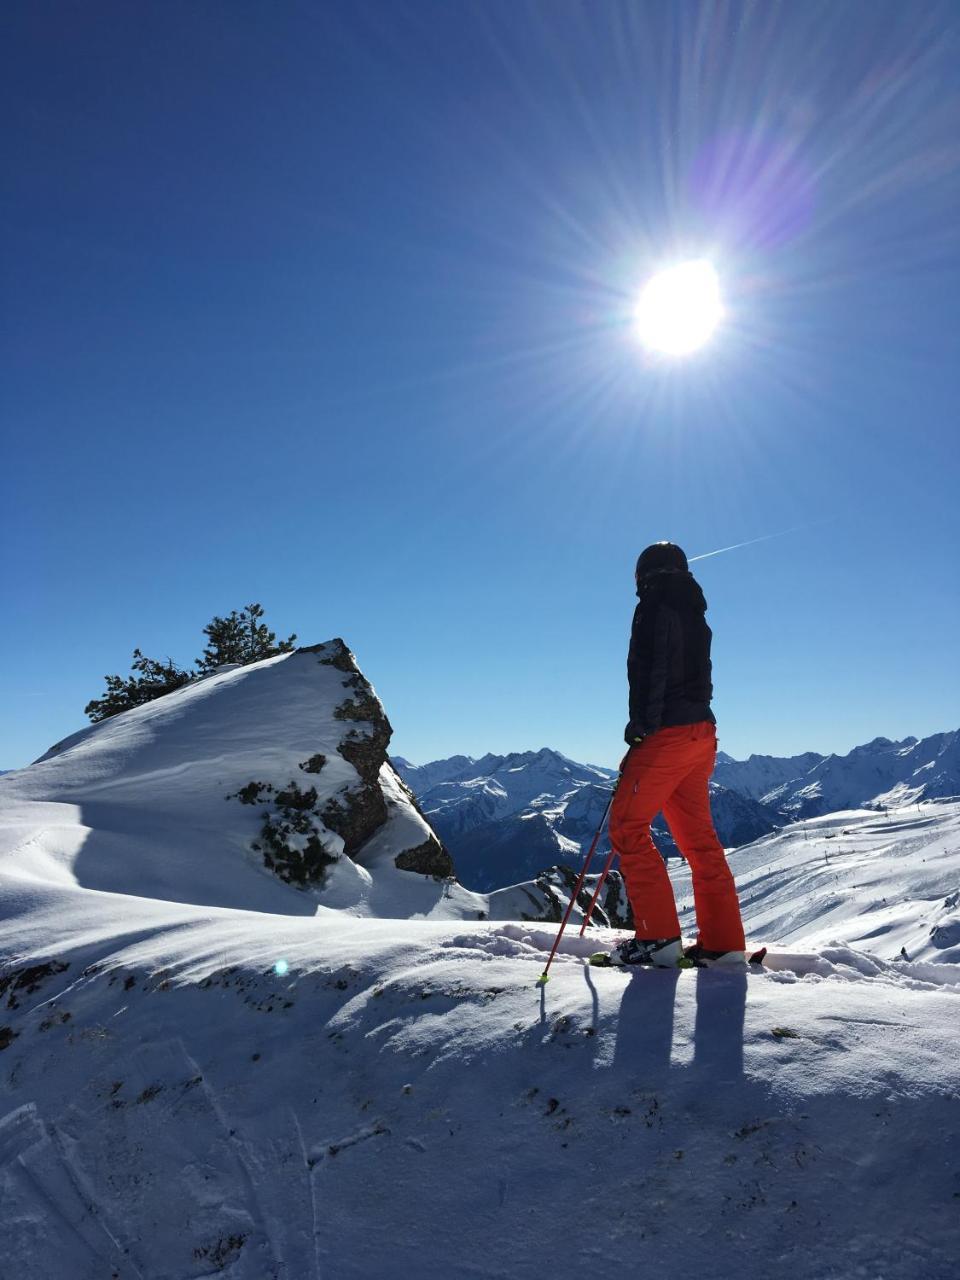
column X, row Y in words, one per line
column 884, row 883
column 275, row 1086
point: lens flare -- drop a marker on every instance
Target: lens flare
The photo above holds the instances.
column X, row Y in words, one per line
column 281, row 968
column 679, row 308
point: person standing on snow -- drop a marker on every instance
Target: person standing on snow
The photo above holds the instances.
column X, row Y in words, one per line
column 672, row 745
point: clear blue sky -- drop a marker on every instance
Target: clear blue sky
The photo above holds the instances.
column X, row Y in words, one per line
column 326, row 305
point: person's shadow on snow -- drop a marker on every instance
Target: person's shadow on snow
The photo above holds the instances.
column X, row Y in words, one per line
column 718, row 1030
column 645, row 1025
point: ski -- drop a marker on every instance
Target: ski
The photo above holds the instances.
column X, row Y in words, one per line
column 753, row 959
column 601, row 960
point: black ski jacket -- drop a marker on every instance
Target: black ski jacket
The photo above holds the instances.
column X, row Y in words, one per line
column 668, row 665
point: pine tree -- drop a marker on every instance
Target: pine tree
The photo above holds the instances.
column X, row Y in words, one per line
column 241, row 637
column 153, row 681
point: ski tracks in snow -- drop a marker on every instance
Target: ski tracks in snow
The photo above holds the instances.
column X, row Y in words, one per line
column 160, row 1114
column 52, row 1224
column 81, row 1195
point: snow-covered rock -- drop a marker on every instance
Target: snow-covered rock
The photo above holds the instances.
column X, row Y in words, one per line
column 265, row 787
column 546, row 897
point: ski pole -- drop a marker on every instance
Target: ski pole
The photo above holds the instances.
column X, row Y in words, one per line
column 596, row 893
column 573, row 897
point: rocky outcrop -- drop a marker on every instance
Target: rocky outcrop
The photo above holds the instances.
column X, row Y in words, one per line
column 427, row 859
column 431, row 858
column 545, row 898
column 556, row 884
column 291, row 838
column 305, row 829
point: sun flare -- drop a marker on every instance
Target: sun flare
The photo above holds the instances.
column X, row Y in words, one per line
column 679, row 308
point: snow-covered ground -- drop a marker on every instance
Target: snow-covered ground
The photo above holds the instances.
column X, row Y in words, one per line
column 885, row 883
column 367, row 1081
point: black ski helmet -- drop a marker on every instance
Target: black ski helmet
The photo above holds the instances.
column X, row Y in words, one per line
column 661, row 557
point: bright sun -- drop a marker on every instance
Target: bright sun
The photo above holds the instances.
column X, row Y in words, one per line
column 679, row 308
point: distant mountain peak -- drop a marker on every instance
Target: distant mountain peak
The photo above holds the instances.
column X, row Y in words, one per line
column 882, row 771
column 876, row 744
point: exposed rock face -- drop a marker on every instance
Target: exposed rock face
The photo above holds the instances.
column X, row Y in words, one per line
column 429, row 859
column 612, row 908
column 614, row 903
column 545, row 898
column 299, row 822
column 361, row 812
column 314, row 764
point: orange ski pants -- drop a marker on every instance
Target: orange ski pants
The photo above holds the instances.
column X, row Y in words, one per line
column 670, row 771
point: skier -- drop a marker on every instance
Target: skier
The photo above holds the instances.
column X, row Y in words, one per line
column 672, row 744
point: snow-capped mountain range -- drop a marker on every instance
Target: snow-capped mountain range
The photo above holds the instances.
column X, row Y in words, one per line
column 210, row 1068
column 506, row 818
column 880, row 774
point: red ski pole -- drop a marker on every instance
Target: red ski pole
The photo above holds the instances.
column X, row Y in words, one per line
column 596, row 892
column 573, row 897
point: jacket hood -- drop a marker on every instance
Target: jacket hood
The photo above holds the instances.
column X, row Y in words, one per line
column 679, row 590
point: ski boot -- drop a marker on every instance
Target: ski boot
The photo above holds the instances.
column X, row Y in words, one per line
column 660, row 953
column 697, row 956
